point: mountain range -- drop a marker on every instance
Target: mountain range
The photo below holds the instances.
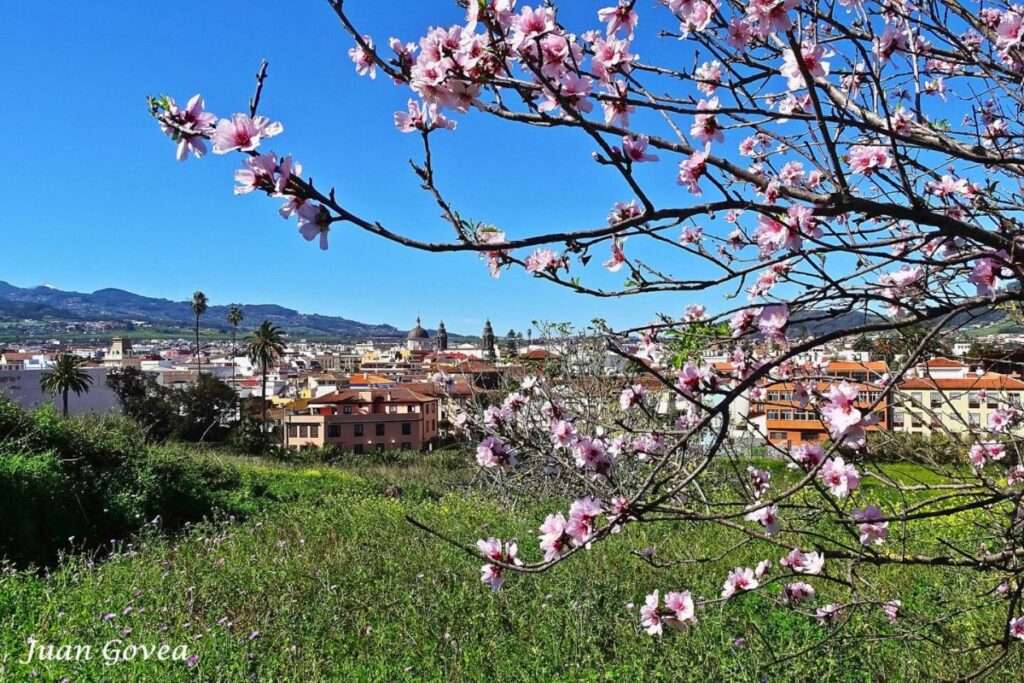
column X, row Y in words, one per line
column 50, row 304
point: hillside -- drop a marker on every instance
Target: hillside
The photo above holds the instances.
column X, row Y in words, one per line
column 47, row 303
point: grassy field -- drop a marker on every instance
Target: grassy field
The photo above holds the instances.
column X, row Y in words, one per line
column 330, row 582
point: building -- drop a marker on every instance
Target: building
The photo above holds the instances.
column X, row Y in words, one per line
column 22, row 387
column 367, row 420
column 418, row 339
column 487, row 342
column 953, row 405
column 785, row 423
column 120, row 350
column 442, row 338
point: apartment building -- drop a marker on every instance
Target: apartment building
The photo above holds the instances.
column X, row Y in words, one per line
column 785, row 423
column 951, row 404
column 365, row 420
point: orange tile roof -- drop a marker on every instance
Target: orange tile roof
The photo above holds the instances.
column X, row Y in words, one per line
column 396, row 394
column 990, row 380
column 944, row 363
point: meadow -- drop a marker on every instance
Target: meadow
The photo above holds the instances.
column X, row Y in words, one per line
column 326, row 580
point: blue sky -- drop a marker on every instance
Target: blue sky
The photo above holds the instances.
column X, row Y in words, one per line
column 95, row 198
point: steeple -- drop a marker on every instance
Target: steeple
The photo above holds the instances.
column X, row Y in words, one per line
column 442, row 337
column 488, row 341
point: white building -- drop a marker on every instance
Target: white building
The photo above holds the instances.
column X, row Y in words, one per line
column 22, row 387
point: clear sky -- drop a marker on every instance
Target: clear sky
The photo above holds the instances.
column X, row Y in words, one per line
column 94, row 197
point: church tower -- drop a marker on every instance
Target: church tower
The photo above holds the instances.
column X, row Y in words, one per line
column 442, row 337
column 488, row 341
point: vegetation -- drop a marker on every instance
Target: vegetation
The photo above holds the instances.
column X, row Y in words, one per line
column 265, row 347
column 67, row 375
column 200, row 304
column 328, row 581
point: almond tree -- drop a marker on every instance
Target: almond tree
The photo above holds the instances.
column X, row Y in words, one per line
column 833, row 158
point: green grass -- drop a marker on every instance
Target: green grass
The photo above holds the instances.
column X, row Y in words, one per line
column 327, row 581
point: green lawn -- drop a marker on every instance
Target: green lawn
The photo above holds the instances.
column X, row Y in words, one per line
column 331, row 583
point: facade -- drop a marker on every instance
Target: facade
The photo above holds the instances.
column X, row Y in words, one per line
column 785, row 423
column 418, row 339
column 953, row 405
column 367, row 420
column 22, row 387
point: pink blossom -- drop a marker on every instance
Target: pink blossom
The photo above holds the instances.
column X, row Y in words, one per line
column 691, row 170
column 985, row 276
column 839, row 477
column 314, row 221
column 591, row 454
column 691, row 235
column 620, row 17
column 573, row 90
column 807, row 455
column 363, row 58
column 1010, row 31
column 680, row 604
column 635, row 148
column 694, row 15
column 610, row 56
column 892, row 610
column 531, row 23
column 618, row 258
column 741, row 321
column 947, row 186
column 1017, row 628
column 843, row 418
column 554, row 541
column 772, row 321
column 769, row 16
column 796, row 592
column 562, row 432
column 583, row 514
column 624, row 211
column 1000, row 419
column 650, row 616
column 492, row 549
column 258, row 173
column 760, row 481
column 892, row 40
column 812, row 55
column 492, row 452
column 792, row 173
column 828, row 614
column 740, row 33
column 190, row 126
column 616, row 108
column 705, row 125
column 804, row 563
column 242, row 133
column 544, row 261
column 872, row 525
column 985, row 451
column 866, row 159
column 767, row 516
column 695, row 313
column 739, row 579
column 709, row 77
column 1015, row 476
column 632, row 397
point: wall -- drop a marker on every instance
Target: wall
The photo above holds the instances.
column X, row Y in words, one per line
column 22, row 386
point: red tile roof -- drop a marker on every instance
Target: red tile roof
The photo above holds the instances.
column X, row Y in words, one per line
column 990, row 380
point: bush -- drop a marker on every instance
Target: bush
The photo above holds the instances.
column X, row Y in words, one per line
column 938, row 449
column 180, row 488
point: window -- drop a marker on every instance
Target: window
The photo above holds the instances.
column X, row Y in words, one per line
column 973, row 400
column 778, row 436
column 293, row 431
column 936, row 401
column 358, row 430
column 407, row 445
column 406, row 428
column 974, row 419
column 808, row 436
column 303, row 431
column 380, row 429
column 358, row 449
column 915, row 420
column 916, row 396
column 992, row 400
column 314, row 431
column 392, row 409
column 1014, row 398
column 347, row 410
column 412, row 409
column 897, row 418
column 333, row 431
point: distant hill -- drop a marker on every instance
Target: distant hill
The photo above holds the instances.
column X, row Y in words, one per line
column 48, row 303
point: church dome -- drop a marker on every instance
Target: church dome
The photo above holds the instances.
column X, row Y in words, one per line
column 417, row 332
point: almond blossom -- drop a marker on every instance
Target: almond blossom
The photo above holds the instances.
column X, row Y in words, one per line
column 803, row 563
column 872, row 525
column 740, row 579
column 839, row 477
column 812, row 55
column 622, row 17
column 493, row 550
column 363, row 58
column 767, row 516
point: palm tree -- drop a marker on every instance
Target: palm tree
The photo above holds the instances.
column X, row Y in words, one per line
column 235, row 317
column 67, row 375
column 265, row 347
column 200, row 304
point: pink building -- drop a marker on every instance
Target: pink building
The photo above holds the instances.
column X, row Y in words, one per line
column 363, row 420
